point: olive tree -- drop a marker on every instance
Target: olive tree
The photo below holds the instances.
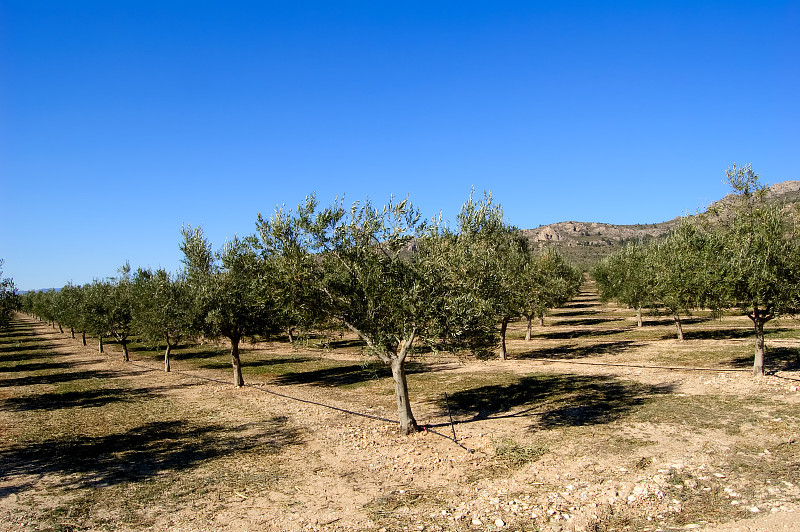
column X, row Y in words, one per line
column 685, row 272
column 231, row 291
column 626, row 277
column 761, row 256
column 547, row 281
column 162, row 308
column 9, row 300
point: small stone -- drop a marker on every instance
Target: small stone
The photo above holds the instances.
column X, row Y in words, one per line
column 477, row 522
column 499, row 523
column 754, row 509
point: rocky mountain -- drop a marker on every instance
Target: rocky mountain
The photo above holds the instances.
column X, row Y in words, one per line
column 584, row 243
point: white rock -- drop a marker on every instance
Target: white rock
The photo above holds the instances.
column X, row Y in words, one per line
column 499, row 523
column 477, row 522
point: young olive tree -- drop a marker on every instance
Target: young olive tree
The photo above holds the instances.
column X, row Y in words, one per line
column 626, row 277
column 547, row 281
column 231, row 291
column 9, row 299
column 486, row 259
column 685, row 272
column 357, row 266
column 761, row 256
column 162, row 309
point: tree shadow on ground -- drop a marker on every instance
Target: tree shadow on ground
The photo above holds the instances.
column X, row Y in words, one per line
column 775, row 359
column 76, row 399
column 587, row 321
column 575, row 333
column 552, row 400
column 578, row 351
column 141, row 452
column 262, row 363
column 25, row 353
column 561, row 314
column 345, row 375
column 41, row 366
column 718, row 334
column 57, row 378
column 655, row 321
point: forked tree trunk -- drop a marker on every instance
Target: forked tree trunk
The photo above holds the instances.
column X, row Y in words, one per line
column 528, row 331
column 503, row 328
column 638, row 316
column 679, row 327
column 238, row 381
column 408, row 424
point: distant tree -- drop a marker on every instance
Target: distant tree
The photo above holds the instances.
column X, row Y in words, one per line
column 229, row 290
column 162, row 308
column 626, row 277
column 120, row 309
column 547, row 281
column 761, row 256
column 9, row 299
column 70, row 305
column 684, row 271
column 96, row 310
column 487, row 258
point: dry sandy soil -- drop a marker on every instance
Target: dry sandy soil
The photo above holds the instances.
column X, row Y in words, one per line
column 577, row 432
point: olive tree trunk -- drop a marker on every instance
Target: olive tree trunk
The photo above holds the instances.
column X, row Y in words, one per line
column 238, row 381
column 678, row 326
column 638, row 316
column 408, row 424
column 759, row 318
column 101, row 343
column 166, row 356
column 83, row 338
column 503, row 328
column 528, row 331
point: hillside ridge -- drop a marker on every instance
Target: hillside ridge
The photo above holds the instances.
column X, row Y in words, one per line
column 584, row 243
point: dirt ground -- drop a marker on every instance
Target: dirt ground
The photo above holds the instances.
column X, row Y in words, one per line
column 607, row 440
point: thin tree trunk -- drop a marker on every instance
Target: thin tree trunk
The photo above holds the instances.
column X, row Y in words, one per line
column 83, row 338
column 503, row 327
column 638, row 316
column 125, row 356
column 290, row 334
column 408, row 424
column 528, row 332
column 166, row 356
column 101, row 343
column 72, row 332
column 541, row 320
column 60, row 329
column 238, row 381
column 758, row 359
column 678, row 326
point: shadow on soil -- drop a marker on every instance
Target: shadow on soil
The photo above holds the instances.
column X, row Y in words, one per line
column 140, row 453
column 345, row 375
column 82, row 399
column 573, row 313
column 57, row 378
column 575, row 333
column 264, row 363
column 776, row 359
column 579, row 351
column 586, row 321
column 552, row 400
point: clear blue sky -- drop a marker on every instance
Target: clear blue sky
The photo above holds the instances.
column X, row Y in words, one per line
column 121, row 121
